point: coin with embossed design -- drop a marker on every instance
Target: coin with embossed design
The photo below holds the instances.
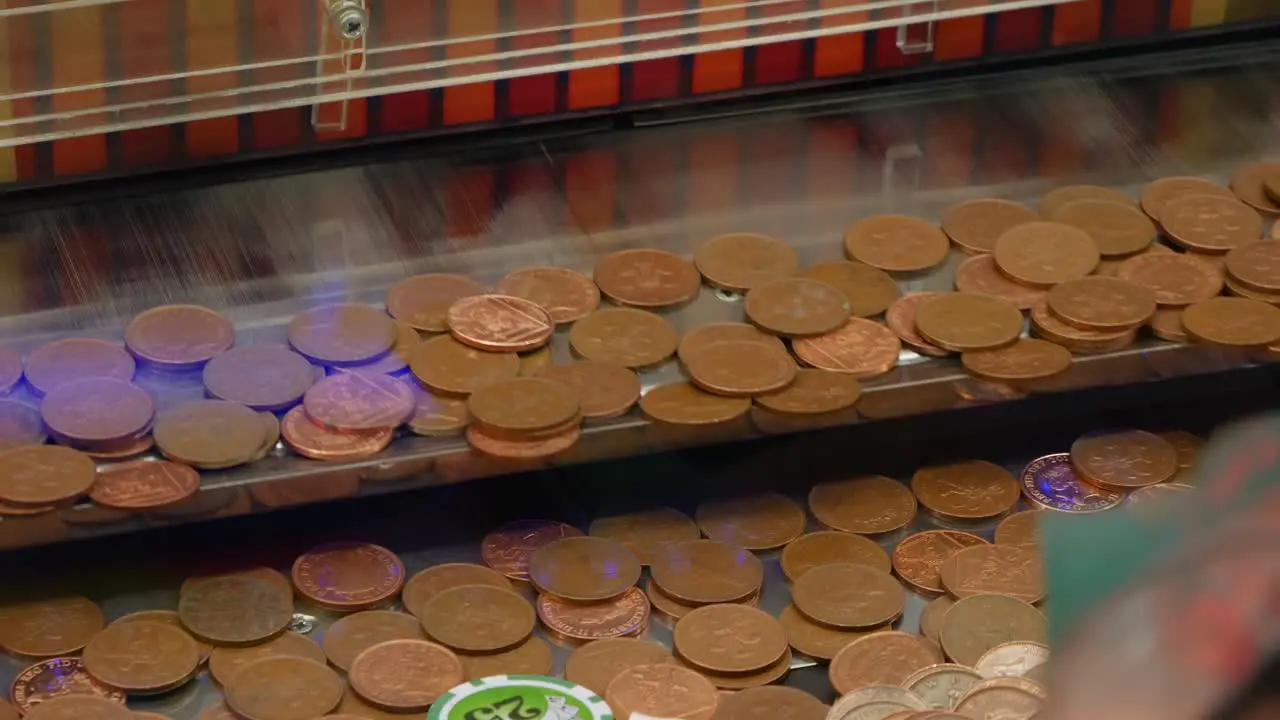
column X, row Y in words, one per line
column 263, row 377
column 740, row 681
column 604, row 390
column 1233, row 321
column 597, row 663
column 756, row 522
column 819, row 641
column 79, row 707
column 584, row 569
column 225, row 662
column 423, row 301
column 54, row 678
column 235, row 609
column 942, row 686
column 353, row 401
column 96, row 410
column 165, row 617
column 624, row 336
column 508, row 548
column 978, row 623
column 662, row 690
column 771, row 702
column 741, row 261
column 830, row 547
column 867, row 505
column 143, row 484
column 707, row 571
column 447, row 366
column 1020, row 528
column 348, row 576
column 209, row 433
column 918, row 558
column 682, row 403
column 283, row 688
column 354, row 634
column 436, row 579
column 1014, row 658
column 796, row 307
column 523, row 405
column 343, row 334
column 1158, row 193
column 962, row 321
column 436, row 415
column 142, row 657
column 500, row 323
column 1001, row 702
column 848, row 596
column 647, row 278
column 1051, row 482
column 883, row 658
column 975, row 225
column 1174, row 279
column 813, row 392
column 1011, row 570
column 875, row 702
column 1057, row 198
column 646, row 532
column 178, row 336
column 1210, row 223
column 42, row 475
column 62, row 361
column 980, row 275
column 1124, row 459
column 311, row 439
column 861, row 348
column 566, row 295
column 704, row 336
column 1025, row 360
column 966, row 489
column 869, row 290
column 729, row 639
column 622, row 616
column 1078, row 340
column 478, row 618
column 531, row 657
column 1119, row 229
column 896, row 243
column 1102, row 303
column 57, row 626
column 932, row 615
column 1043, row 254
column 1255, row 266
column 901, row 319
column 1249, row 182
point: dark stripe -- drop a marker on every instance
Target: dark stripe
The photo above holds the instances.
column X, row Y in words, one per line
column 111, row 34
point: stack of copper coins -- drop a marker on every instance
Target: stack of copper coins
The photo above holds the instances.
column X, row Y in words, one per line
column 587, row 589
column 694, row 573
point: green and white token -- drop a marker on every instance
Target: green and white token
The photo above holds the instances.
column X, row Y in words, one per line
column 519, row 697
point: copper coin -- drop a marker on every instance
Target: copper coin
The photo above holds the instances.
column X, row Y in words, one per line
column 1248, row 182
column 523, row 405
column 1102, row 303
column 1255, row 266
column 1043, row 254
column 531, row 447
column 736, row 369
column 741, row 261
column 623, row 336
column 813, row 392
column 848, row 596
column 961, row 321
column 1023, row 684
column 478, row 618
column 861, row 348
column 235, row 609
column 966, row 489
column 1119, row 229
column 1239, row 290
column 941, row 686
column 62, row 361
column 565, row 294
column 422, row 301
column 352, row 401
column 876, row 701
column 178, row 336
column 883, row 658
column 79, row 707
column 730, row 639
column 447, row 366
column 10, row 370
column 681, row 403
column 263, row 377
column 225, row 662
column 676, row 609
column 1174, row 279
column 896, row 243
column 597, row 663
column 830, row 547
column 757, row 522
column 622, row 616
column 901, row 318
column 128, row 448
column 342, row 334
column 1000, row 702
column 869, row 290
column 58, row 626
column 932, row 616
column 818, row 641
column 500, row 323
column 868, row 505
column 1051, row 482
column 436, row 579
column 646, row 532
column 980, row 275
column 662, row 690
column 262, row 574
column 918, row 559
column 356, row 633
column 584, row 569
column 1188, row 446
column 1076, row 339
column 1059, row 197
column 508, row 549
column 1210, row 223
column 531, row 363
column 39, row 475
column 1020, row 528
column 1010, row 570
column 769, row 703
column 310, row 439
column 647, row 278
column 283, row 688
column 166, row 617
column 1239, row 322
column 707, row 571
column 975, row 225
column 269, row 443
column 1024, row 360
column 20, row 425
column 437, row 415
column 532, row 657
column 142, row 657
column 1158, row 193
column 1012, row 659
column 704, row 336
column 144, row 484
column 353, row 704
column 979, row 623
column 53, row 678
column 348, row 576
column 796, row 307
column 209, row 433
column 741, row 681
column 1124, row 459
column 407, row 337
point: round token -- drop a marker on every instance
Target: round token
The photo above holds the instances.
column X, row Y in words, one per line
column 707, row 571
column 1255, row 266
column 283, row 688
column 1102, row 303
column 1026, row 359
column 225, row 662
column 20, row 425
column 967, row 489
column 540, row 693
column 918, row 558
column 53, row 678
column 730, row 639
column 532, row 447
column 796, row 307
column 478, row 618
column 437, row 415
column 737, row 369
column 769, row 703
column 595, row 664
column 272, row 440
column 565, row 294
column 869, row 290
column 447, row 366
column 1174, row 279
column 756, row 522
column 348, row 576
column 883, row 658
column 932, row 616
column 311, row 439
column 343, row 334
column 829, row 547
column 1047, row 325
column 978, row 623
column 876, row 701
column 980, row 275
column 532, row 657
column 209, row 433
column 353, row 401
column 1012, row 659
column 1010, row 570
column 423, row 301
column 975, row 225
column 1158, row 193
column 58, row 626
column 263, row 377
column 356, row 633
column 96, row 410
column 1124, row 459
column 603, row 390
column 739, row 262
column 1119, row 229
column 818, row 641
column 1249, row 183
column 901, row 319
column 868, row 505
column 662, row 691
column 235, row 609
column 144, row 484
column 1057, row 198
column 1239, row 290
column 860, row 348
column 681, row 403
column 1238, row 322
column 942, row 686
column 623, row 336
column 507, row 549
column 39, row 475
column 848, row 596
column 523, row 405
column 1210, row 223
column 741, row 681
column 1043, row 254
column 1020, row 528
column 436, row 579
column 10, row 370
column 584, row 569
column 896, row 243
column 812, row 393
column 500, row 323
column 1051, row 482
column 142, row 657
column 623, row 616
column 405, row 675
column 960, row 322
column 79, row 707
column 170, row 618
column 676, row 609
column 647, row 278
column 646, row 532
column 178, row 336
column 704, row 336
column 62, row 361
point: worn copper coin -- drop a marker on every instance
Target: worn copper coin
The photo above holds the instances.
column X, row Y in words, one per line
column 1210, row 223
column 1051, row 482
column 62, row 361
column 624, row 336
column 829, row 547
column 662, row 690
column 348, row 576
column 932, row 615
column 741, row 681
column 532, row 657
column 478, row 618
column 1010, row 570
column 682, row 403
column 1239, row 322
column 437, row 415
column 941, row 686
column 1249, row 183
column 41, row 475
column 1012, row 659
column 310, row 439
column 178, row 336
column 901, row 319
column 876, row 701
column 209, row 433
column 584, row 569
column 522, row 405
column 283, row 688
column 1043, row 254
column 896, row 243
column 980, row 275
column 342, row 334
column 1174, row 279
column 730, row 639
column 80, row 707
column 263, row 377
column 20, row 425
column 272, row 426
column 676, row 609
column 235, row 609
column 508, row 549
column 707, row 571
column 1025, row 360
column 1255, row 266
column 1119, row 229
column 869, row 290
column 704, row 336
column 603, row 390
column 1188, row 446
column 566, row 295
column 867, row 505
column 1158, row 193
column 771, row 702
column 978, row 623
column 142, row 657
column 144, row 484
column 883, row 658
column 55, row 678
column 646, row 532
column 1020, row 528
column 436, row 579
column 1124, row 459
column 918, row 558
column 1055, row 199
column 861, row 348
column 422, row 301
column 739, row 262
column 1079, row 340
column 96, row 410
column 447, row 366
column 1002, row 702
column 352, row 401
column 166, row 617
column 225, row 662
column 966, row 489
column 1102, row 303
column 813, row 392
column 500, row 323
column 975, row 225
column 533, row 446
column 756, row 522
column 848, row 596
column 354, row 634
column 818, row 641
column 595, row 664
column 647, row 278
column 622, row 616
column 962, row 321
column 796, row 307
column 58, row 626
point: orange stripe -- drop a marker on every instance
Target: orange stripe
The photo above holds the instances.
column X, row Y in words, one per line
column 598, row 86
column 8, row 159
column 719, row 70
column 78, row 60
column 1077, row 22
column 842, row 54
column 472, row 103
column 211, row 43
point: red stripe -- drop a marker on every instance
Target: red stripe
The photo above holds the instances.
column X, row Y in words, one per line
column 656, row 79
column 403, row 23
column 78, row 59
column 474, row 103
column 1135, row 17
column 719, row 70
column 534, row 94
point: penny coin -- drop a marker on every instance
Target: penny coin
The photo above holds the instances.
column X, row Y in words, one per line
column 741, row 681
column 830, row 547
column 941, row 686
column 356, row 633
column 263, row 574
column 813, row 392
column 1174, row 279
column 1015, row 658
column 20, row 425
column 976, row 624
column 1238, row 322
column 1158, row 193
column 283, row 688
column 868, row 505
column 883, row 658
column 932, row 616
column 142, row 657
column 534, row 446
column 975, row 225
column 1249, row 181
column 622, row 616
column 447, row 366
column 704, row 336
column 818, row 641
column 603, row 390
column 263, row 377
column 478, row 618
column 770, row 703
column 436, row 579
column 869, row 290
column 681, row 403
column 584, row 569
column 980, row 275
column 1010, row 570
column 623, row 336
column 209, row 433
column 896, row 243
column 178, row 336
column 1239, row 290
column 144, row 484
column 565, row 294
column 1024, row 360
column 62, row 361
column 40, row 475
column 730, row 639
column 757, row 522
column 235, row 609
column 437, row 415
column 532, row 657
column 53, row 678
column 170, row 618
column 1000, row 702
column 342, row 334
column 963, row 321
column 1119, row 229
column 647, row 278
column 1026, row 685
column 647, row 532
column 597, row 663
column 1043, row 254
column 348, row 576
column 1102, row 303
column 739, row 262
column 1059, row 197
column 848, row 596
column 353, row 704
column 272, row 426
column 531, row 363
column 10, row 370
column 1255, row 266
column 876, row 701
column 508, row 549
column 1210, row 223
column 662, row 690
column 967, row 489
column 676, row 609
column 1020, row 528
column 861, row 348
column 58, row 626
column 1187, row 446
column 796, row 307
column 1079, row 340
column 1051, row 482
column 901, row 318
column 310, row 439
column 225, row 662
column 352, row 401
column 1124, row 459
column 918, row 559
column 522, row 405
column 707, row 571
column 79, row 707
column 500, row 323
column 422, row 301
